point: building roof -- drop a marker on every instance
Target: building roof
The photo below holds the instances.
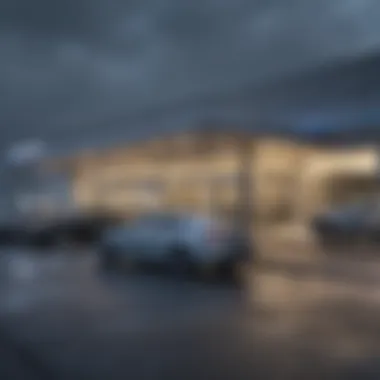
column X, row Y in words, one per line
column 201, row 136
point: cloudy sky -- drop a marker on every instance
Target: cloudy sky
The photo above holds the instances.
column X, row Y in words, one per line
column 68, row 66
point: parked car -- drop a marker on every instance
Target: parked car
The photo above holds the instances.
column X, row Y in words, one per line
column 353, row 223
column 181, row 243
column 67, row 229
column 12, row 233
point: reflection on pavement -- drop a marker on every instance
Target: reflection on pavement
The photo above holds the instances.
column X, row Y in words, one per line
column 86, row 325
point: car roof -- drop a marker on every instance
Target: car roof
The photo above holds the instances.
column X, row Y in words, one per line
column 172, row 215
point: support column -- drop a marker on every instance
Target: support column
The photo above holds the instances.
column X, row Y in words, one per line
column 309, row 195
column 245, row 207
column 377, row 170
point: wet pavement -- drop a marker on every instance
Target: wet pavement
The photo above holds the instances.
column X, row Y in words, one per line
column 61, row 318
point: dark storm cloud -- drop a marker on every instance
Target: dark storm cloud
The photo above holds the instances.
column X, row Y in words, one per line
column 73, row 18
column 73, row 61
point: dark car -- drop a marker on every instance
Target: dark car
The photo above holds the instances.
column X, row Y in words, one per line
column 72, row 229
column 12, row 233
column 350, row 224
column 37, row 232
column 180, row 242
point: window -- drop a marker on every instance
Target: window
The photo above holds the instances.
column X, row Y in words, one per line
column 151, row 185
column 227, row 179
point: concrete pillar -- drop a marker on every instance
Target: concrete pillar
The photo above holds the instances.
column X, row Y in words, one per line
column 245, row 207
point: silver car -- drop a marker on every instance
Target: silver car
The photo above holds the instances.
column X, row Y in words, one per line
column 182, row 243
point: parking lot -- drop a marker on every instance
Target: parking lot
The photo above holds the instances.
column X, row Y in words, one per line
column 61, row 318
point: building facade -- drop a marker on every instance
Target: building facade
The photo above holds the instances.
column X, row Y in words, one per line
column 197, row 171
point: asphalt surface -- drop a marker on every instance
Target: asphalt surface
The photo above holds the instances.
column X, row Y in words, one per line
column 60, row 318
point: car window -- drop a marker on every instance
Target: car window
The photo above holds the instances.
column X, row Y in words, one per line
column 158, row 221
column 353, row 209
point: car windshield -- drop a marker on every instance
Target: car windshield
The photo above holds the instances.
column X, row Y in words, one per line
column 358, row 208
column 158, row 221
